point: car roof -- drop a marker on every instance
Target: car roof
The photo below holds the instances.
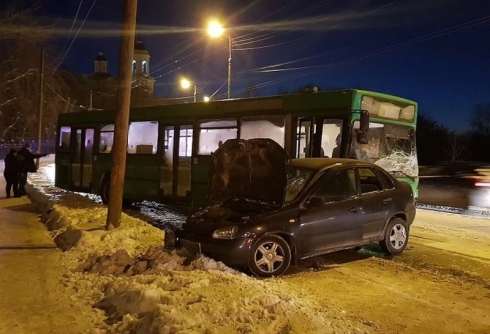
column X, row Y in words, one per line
column 321, row 163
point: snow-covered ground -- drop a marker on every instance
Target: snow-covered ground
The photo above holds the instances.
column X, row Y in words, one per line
column 146, row 289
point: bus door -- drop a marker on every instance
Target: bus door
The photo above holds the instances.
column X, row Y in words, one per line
column 318, row 137
column 304, row 135
column 175, row 168
column 81, row 163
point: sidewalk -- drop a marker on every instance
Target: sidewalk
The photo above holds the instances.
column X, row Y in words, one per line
column 33, row 298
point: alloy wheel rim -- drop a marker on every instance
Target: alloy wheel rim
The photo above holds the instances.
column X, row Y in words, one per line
column 269, row 257
column 398, row 236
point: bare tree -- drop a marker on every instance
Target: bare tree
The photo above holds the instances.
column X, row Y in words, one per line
column 480, row 119
column 22, row 39
column 457, row 150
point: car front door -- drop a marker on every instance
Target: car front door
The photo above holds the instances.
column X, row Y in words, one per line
column 331, row 216
column 377, row 202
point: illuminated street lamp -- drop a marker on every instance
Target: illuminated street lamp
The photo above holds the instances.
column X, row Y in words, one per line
column 206, row 99
column 215, row 29
column 184, row 83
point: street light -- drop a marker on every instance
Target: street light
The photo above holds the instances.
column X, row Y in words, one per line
column 206, row 99
column 215, row 29
column 184, row 83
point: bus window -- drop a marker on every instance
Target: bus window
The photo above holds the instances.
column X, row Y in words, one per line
column 269, row 126
column 184, row 162
column 106, row 138
column 211, row 133
column 331, row 138
column 143, row 137
column 185, row 143
column 64, row 139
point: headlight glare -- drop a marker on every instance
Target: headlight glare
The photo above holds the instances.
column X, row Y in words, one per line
column 229, row 232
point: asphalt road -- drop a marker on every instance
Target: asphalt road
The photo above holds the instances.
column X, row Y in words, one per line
column 440, row 284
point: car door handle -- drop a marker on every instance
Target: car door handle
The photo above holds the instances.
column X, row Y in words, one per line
column 354, row 209
column 387, row 200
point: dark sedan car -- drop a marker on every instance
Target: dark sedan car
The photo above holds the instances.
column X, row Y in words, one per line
column 271, row 211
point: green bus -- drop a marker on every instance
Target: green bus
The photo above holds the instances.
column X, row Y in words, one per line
column 169, row 147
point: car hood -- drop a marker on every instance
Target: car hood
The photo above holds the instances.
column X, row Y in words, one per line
column 254, row 169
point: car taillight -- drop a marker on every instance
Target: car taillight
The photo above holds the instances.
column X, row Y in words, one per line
column 482, row 184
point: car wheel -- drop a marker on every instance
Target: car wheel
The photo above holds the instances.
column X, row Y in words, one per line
column 271, row 256
column 396, row 237
column 104, row 190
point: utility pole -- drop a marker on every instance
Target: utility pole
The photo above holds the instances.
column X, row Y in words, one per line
column 121, row 124
column 229, row 66
column 40, row 114
column 90, row 106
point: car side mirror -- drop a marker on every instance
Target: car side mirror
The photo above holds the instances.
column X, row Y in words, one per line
column 315, row 202
column 363, row 128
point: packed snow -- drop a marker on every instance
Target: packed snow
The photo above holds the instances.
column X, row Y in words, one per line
column 144, row 288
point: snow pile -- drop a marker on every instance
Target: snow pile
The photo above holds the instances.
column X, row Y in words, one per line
column 197, row 302
column 146, row 289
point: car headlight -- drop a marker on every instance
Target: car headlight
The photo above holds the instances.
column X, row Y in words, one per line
column 229, row 232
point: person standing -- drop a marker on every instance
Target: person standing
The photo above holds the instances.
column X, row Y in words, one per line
column 26, row 165
column 11, row 173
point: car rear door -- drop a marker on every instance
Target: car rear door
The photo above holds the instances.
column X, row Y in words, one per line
column 377, row 202
column 331, row 216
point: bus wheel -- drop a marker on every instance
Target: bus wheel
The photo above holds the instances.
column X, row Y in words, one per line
column 104, row 190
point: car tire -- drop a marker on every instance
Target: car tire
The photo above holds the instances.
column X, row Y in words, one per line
column 105, row 187
column 270, row 256
column 396, row 237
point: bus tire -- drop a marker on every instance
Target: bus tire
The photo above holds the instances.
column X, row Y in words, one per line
column 105, row 186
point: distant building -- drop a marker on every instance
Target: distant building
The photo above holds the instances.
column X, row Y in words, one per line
column 98, row 91
column 141, row 69
column 100, row 64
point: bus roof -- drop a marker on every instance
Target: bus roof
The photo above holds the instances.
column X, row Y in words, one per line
column 341, row 100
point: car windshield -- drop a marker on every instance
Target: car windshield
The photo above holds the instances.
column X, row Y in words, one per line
column 298, row 178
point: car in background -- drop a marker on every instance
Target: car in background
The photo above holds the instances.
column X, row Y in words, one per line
column 270, row 211
column 479, row 195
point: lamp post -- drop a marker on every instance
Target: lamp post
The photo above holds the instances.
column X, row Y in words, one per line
column 40, row 111
column 215, row 29
column 184, row 83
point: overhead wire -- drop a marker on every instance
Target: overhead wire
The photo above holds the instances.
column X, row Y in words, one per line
column 75, row 37
column 72, row 25
column 395, row 46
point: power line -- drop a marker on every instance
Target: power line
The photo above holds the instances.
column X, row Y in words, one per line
column 72, row 25
column 75, row 37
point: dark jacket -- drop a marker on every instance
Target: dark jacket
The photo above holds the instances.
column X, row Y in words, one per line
column 11, row 165
column 26, row 160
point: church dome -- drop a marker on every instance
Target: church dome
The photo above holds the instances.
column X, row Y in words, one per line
column 100, row 56
column 139, row 47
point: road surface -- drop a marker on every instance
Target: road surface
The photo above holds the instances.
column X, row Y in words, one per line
column 440, row 284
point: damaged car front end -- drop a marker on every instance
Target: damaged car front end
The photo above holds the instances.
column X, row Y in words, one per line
column 247, row 184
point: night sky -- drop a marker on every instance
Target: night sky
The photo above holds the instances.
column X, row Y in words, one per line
column 436, row 52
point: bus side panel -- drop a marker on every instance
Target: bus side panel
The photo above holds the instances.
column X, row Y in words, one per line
column 200, row 179
column 62, row 171
column 102, row 165
column 142, row 177
column 141, row 181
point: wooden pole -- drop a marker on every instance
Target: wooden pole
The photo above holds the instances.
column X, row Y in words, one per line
column 121, row 124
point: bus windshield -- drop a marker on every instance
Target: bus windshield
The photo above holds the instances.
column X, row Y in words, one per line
column 390, row 146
